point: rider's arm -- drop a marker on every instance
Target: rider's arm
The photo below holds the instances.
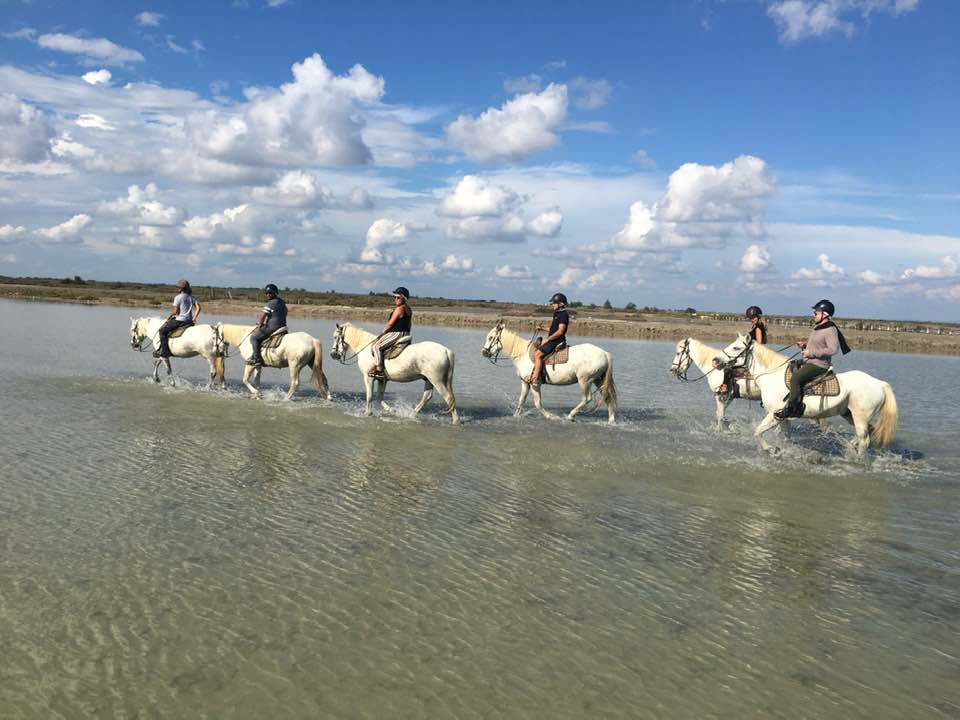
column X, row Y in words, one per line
column 195, row 312
column 757, row 336
column 560, row 332
column 394, row 316
column 262, row 319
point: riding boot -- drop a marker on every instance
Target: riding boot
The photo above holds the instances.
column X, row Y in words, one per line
column 790, row 411
column 255, row 361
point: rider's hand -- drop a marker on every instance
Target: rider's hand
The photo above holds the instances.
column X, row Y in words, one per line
column 802, row 344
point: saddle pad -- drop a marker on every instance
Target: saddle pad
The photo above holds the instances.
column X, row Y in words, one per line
column 826, row 385
column 180, row 331
column 558, row 357
column 394, row 350
column 274, row 340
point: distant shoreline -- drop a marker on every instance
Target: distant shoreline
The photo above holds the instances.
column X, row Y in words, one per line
column 476, row 315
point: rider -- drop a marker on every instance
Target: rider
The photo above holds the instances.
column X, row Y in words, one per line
column 272, row 318
column 825, row 341
column 556, row 338
column 397, row 327
column 757, row 333
column 185, row 312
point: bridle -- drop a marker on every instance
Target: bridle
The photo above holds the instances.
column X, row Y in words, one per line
column 496, row 340
column 339, row 350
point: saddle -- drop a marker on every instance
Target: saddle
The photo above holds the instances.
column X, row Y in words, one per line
column 827, row 385
column 274, row 339
column 179, row 331
column 732, row 375
column 398, row 347
column 557, row 357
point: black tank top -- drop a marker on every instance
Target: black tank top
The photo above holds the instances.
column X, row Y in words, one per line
column 402, row 323
column 763, row 333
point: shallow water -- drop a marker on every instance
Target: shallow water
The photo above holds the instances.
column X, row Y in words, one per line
column 177, row 552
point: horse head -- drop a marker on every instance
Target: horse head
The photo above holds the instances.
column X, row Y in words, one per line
column 681, row 360
column 494, row 341
column 137, row 332
column 736, row 354
column 339, row 349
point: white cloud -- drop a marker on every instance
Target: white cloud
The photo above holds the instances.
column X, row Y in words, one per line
column 9, row 233
column 756, row 259
column 801, row 19
column 99, row 49
column 65, row 231
column 826, row 274
column 568, row 276
column 950, row 293
column 546, row 224
column 513, row 273
column 870, row 277
column 66, row 147
column 476, row 197
column 555, row 65
column 643, row 159
column 384, row 232
column 313, row 119
column 204, row 227
column 457, row 264
column 171, row 43
column 294, row 189
column 702, row 207
column 592, row 281
column 590, row 94
column 527, row 84
column 98, row 77
column 265, row 245
column 525, row 125
column 947, row 269
column 149, row 19
column 141, row 206
column 92, row 120
column 25, row 133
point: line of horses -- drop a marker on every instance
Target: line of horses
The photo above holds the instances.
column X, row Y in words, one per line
column 867, row 403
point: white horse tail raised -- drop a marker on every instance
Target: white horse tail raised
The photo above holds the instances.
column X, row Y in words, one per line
column 608, row 391
column 886, row 427
column 319, row 379
column 448, row 381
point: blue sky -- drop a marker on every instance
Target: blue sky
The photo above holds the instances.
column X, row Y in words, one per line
column 705, row 153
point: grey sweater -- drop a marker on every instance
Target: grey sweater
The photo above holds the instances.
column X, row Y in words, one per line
column 822, row 345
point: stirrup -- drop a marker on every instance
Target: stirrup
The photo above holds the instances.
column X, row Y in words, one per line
column 255, row 363
column 378, row 374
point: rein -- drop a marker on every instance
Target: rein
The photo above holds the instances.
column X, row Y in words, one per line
column 342, row 357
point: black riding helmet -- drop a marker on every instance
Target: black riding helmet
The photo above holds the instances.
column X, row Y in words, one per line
column 825, row 306
column 272, row 289
column 558, row 298
column 402, row 291
column 752, row 312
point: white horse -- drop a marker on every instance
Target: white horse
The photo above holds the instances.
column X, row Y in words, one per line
column 711, row 362
column 428, row 361
column 862, row 397
column 587, row 365
column 195, row 340
column 296, row 351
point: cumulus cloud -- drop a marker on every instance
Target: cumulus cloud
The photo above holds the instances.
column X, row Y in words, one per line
column 703, row 206
column 94, row 121
column 546, row 224
column 487, row 211
column 141, row 206
column 65, row 147
column 827, row 273
column 25, row 133
column 148, row 18
column 801, row 19
column 525, row 125
column 264, row 245
column 756, row 259
column 93, row 49
column 871, row 277
column 513, row 273
column 313, row 119
column 457, row 264
column 384, row 232
column 590, row 94
column 947, row 269
column 294, row 189
column 9, row 233
column 474, row 196
column 97, row 77
column 205, row 227
column 66, row 231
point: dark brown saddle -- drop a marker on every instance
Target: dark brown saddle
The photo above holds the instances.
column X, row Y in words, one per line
column 394, row 350
column 179, row 331
column 557, row 357
column 274, row 339
column 827, row 385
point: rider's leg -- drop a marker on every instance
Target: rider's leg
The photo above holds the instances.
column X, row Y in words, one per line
column 256, row 337
column 534, row 378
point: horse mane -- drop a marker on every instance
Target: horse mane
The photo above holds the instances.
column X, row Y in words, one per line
column 513, row 344
column 356, row 336
column 702, row 353
column 767, row 357
column 235, row 334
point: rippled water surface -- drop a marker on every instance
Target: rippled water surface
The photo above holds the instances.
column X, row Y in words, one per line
column 177, row 552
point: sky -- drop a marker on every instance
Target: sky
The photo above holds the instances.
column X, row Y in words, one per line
column 712, row 154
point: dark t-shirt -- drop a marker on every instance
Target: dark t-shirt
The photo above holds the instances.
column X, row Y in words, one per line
column 560, row 317
column 276, row 311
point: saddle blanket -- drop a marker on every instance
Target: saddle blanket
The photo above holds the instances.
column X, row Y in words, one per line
column 394, row 350
column 826, row 385
column 558, row 357
column 274, row 340
column 180, row 331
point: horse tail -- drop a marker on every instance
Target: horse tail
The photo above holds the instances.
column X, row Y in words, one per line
column 218, row 368
column 319, row 379
column 448, row 380
column 886, row 427
column 608, row 391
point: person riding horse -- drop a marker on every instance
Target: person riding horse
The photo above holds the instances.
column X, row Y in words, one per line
column 757, row 333
column 185, row 312
column 272, row 317
column 824, row 342
column 397, row 328
column 557, row 336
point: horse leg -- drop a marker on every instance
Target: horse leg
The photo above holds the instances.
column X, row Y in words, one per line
column 213, row 373
column 446, row 392
column 524, row 389
column 294, row 380
column 861, row 425
column 381, row 388
column 427, row 394
column 585, row 396
column 249, row 370
column 539, row 405
column 368, row 386
column 156, row 370
column 768, row 422
column 722, row 423
column 170, row 377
